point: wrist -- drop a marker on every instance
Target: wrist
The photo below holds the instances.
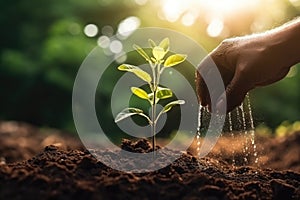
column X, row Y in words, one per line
column 285, row 41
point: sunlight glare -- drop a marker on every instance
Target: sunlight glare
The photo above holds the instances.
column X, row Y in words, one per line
column 173, row 9
column 295, row 3
column 228, row 6
column 141, row 2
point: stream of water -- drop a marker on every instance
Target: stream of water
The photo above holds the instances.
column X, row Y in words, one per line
column 240, row 127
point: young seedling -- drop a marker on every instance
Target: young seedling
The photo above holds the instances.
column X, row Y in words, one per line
column 158, row 65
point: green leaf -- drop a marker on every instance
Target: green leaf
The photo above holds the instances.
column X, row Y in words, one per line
column 139, row 92
column 165, row 44
column 163, row 93
column 158, row 53
column 171, row 104
column 127, row 112
column 137, row 71
column 141, row 52
column 174, row 60
column 152, row 43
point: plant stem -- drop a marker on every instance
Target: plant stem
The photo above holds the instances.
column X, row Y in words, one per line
column 153, row 107
column 156, row 76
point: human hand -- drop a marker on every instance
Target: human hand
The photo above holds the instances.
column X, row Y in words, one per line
column 244, row 63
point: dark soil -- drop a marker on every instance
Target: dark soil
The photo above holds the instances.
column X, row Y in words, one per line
column 66, row 171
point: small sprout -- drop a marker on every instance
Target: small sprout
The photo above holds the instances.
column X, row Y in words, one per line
column 157, row 66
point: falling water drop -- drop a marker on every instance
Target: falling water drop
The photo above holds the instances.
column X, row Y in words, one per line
column 200, row 115
column 232, row 136
column 241, row 107
column 245, row 133
column 243, row 122
column 252, row 129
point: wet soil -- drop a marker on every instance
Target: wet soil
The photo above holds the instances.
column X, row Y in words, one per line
column 31, row 168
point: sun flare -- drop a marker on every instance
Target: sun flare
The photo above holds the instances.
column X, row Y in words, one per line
column 227, row 7
column 215, row 12
column 172, row 10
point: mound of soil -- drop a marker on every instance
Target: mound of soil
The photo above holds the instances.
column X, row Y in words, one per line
column 69, row 174
column 29, row 169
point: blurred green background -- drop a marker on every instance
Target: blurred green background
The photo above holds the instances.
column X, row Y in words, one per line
column 43, row 44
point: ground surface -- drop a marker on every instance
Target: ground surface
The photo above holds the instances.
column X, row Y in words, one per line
column 29, row 169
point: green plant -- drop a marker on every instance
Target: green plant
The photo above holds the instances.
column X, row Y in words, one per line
column 157, row 65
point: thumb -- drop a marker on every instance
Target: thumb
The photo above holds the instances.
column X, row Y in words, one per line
column 234, row 93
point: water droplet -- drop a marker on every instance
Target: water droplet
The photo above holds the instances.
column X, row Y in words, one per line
column 232, row 136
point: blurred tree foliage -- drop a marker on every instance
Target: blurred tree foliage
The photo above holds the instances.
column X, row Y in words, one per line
column 279, row 102
column 43, row 45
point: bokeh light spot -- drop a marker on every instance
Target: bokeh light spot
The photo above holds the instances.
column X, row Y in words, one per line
column 188, row 19
column 74, row 28
column 121, row 57
column 215, row 28
column 107, row 30
column 128, row 26
column 173, row 9
column 91, row 30
column 116, row 46
column 103, row 41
